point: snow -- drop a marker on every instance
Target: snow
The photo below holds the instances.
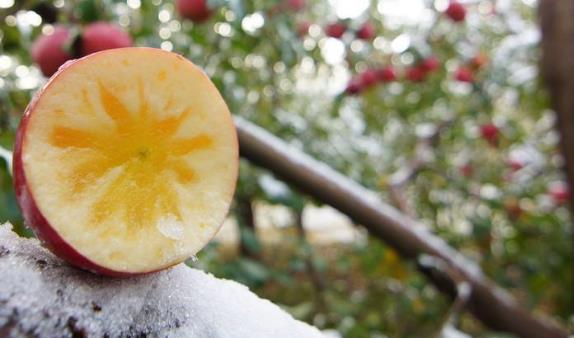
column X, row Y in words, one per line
column 40, row 295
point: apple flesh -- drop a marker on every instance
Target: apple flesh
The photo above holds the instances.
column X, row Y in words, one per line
column 126, row 161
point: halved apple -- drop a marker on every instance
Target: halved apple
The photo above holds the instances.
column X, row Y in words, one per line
column 126, row 161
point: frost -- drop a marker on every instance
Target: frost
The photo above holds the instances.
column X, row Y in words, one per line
column 42, row 296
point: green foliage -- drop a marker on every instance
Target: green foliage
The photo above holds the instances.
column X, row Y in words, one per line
column 294, row 87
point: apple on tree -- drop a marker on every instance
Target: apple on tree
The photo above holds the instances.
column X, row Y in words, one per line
column 295, row 5
column 53, row 50
column 490, row 132
column 100, row 36
column 430, row 64
column 559, row 192
column 355, row 86
column 126, row 161
column 386, row 74
column 415, row 74
column 464, row 74
column 456, row 11
column 194, row 10
column 50, row 51
column 369, row 78
column 366, row 31
column 335, row 30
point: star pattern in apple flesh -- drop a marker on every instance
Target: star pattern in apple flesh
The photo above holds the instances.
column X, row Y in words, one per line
column 146, row 152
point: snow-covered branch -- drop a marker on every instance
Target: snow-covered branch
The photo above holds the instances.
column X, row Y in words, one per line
column 42, row 296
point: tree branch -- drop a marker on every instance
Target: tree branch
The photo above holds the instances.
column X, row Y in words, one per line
column 489, row 303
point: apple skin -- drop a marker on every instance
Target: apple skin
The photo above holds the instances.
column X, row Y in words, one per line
column 32, row 214
column 415, row 74
column 48, row 50
column 464, row 74
column 366, row 31
column 194, row 10
column 100, row 36
column 354, row 87
column 295, row 5
column 386, row 74
column 456, row 11
column 335, row 30
column 430, row 64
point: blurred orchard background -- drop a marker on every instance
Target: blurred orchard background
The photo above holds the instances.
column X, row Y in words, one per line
column 438, row 106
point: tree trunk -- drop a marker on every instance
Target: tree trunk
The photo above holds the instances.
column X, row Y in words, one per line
column 558, row 70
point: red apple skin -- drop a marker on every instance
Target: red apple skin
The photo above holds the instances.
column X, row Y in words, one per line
column 101, row 36
column 34, row 218
column 295, row 5
column 32, row 214
column 386, row 74
column 369, row 77
column 48, row 50
column 335, row 30
column 415, row 74
column 366, row 31
column 194, row 10
column 467, row 170
column 456, row 11
column 354, row 87
column 559, row 193
column 489, row 132
column 464, row 74
column 430, row 64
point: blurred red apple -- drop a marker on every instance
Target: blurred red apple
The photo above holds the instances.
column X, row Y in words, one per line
column 369, row 77
column 100, row 36
column 366, row 31
column 117, row 173
column 335, row 30
column 464, row 74
column 430, row 64
column 456, row 11
column 415, row 74
column 295, row 5
column 194, row 10
column 49, row 51
column 489, row 132
column 386, row 74
column 354, row 87
column 559, row 193
column 467, row 170
column 515, row 164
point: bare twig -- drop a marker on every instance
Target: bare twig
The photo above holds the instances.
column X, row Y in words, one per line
column 314, row 274
column 423, row 157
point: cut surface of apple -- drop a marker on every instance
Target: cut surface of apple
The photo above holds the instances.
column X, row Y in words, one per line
column 126, row 161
